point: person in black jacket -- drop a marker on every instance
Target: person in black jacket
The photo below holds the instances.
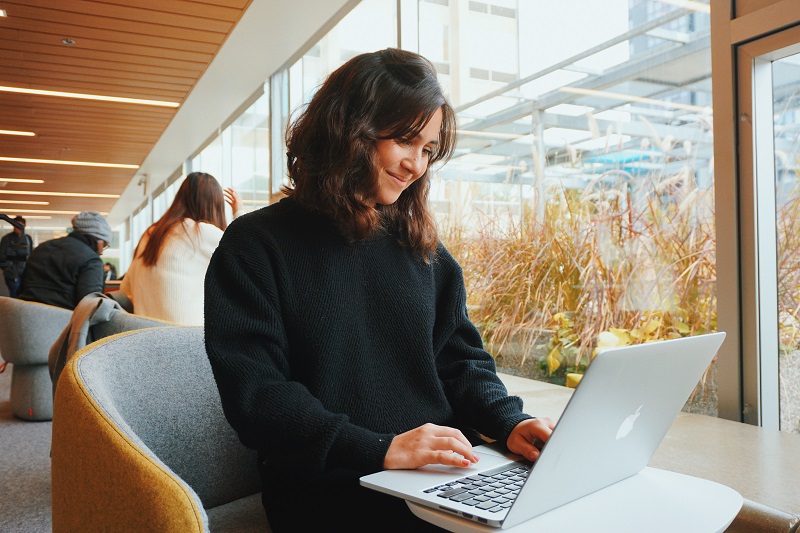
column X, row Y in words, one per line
column 13, row 254
column 336, row 321
column 62, row 271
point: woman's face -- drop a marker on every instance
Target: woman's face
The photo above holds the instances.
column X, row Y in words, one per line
column 400, row 162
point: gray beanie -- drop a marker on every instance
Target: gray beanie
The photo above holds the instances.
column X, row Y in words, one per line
column 94, row 224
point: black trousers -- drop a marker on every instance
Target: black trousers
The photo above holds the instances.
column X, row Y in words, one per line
column 13, row 286
column 334, row 503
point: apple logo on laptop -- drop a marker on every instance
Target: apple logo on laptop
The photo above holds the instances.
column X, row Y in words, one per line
column 627, row 424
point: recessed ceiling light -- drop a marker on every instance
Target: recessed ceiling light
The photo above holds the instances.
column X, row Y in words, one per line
column 71, row 194
column 22, row 133
column 50, row 211
column 68, row 41
column 61, row 162
column 19, row 180
column 25, row 202
column 2, row 13
column 83, row 96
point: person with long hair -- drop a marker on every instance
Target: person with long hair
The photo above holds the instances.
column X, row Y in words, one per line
column 336, row 321
column 165, row 279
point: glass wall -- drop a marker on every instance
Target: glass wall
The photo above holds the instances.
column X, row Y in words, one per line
column 786, row 147
column 250, row 154
column 580, row 196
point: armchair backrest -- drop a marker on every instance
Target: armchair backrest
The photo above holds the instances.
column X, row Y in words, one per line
column 96, row 316
column 123, row 321
column 28, row 329
column 138, row 418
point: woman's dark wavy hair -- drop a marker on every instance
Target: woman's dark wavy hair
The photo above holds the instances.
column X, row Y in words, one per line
column 390, row 94
column 200, row 198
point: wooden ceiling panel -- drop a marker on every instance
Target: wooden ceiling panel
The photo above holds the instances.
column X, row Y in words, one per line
column 39, row 78
column 85, row 13
column 78, row 73
column 60, row 31
column 92, row 48
column 211, row 10
column 155, row 14
column 143, row 49
column 49, row 53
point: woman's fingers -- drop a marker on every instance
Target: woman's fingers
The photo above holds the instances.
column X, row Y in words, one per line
column 429, row 444
column 529, row 436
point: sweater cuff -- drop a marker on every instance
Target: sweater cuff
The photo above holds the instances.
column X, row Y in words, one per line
column 508, row 425
column 361, row 449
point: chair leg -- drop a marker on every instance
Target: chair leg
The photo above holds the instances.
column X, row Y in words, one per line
column 31, row 392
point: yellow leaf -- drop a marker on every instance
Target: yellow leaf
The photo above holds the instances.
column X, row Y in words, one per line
column 623, row 335
column 573, row 379
column 652, row 325
column 607, row 339
column 554, row 360
column 681, row 328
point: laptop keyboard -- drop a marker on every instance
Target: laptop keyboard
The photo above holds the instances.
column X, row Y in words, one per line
column 493, row 490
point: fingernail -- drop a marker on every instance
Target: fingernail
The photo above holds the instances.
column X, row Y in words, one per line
column 475, row 459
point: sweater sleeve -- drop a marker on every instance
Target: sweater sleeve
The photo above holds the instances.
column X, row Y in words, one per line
column 468, row 372
column 247, row 346
column 90, row 278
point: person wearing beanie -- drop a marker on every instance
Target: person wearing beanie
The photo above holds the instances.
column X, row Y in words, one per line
column 62, row 271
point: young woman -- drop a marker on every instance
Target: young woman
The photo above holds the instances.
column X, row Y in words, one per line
column 165, row 279
column 336, row 322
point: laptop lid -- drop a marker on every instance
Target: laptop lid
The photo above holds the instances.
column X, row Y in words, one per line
column 608, row 431
column 615, row 420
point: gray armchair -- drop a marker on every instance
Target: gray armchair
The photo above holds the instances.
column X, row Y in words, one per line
column 140, row 442
column 27, row 331
column 95, row 317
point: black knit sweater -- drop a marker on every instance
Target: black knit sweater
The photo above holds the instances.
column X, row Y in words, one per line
column 324, row 350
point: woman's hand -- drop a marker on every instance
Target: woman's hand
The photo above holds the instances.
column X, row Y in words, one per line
column 528, row 436
column 429, row 444
column 233, row 199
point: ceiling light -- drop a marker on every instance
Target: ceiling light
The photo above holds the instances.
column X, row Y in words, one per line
column 2, row 13
column 50, row 211
column 60, row 162
column 83, row 96
column 22, row 133
column 68, row 41
column 19, row 180
column 71, row 194
column 37, row 217
column 631, row 98
column 26, row 202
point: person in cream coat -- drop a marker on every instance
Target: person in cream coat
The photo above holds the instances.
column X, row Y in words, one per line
column 165, row 279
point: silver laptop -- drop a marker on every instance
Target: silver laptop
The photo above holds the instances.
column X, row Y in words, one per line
column 609, row 430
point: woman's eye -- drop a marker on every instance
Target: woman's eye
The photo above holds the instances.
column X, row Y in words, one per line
column 428, row 152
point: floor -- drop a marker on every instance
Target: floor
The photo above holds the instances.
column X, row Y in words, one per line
column 24, row 469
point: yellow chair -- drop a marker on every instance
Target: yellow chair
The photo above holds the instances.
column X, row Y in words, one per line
column 140, row 442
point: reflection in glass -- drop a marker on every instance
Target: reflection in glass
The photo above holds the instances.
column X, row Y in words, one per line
column 250, row 154
column 580, row 197
column 786, row 109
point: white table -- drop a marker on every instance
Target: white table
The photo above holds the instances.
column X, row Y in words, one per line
column 654, row 501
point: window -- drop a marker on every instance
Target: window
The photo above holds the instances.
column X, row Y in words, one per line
column 584, row 161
